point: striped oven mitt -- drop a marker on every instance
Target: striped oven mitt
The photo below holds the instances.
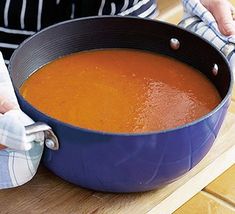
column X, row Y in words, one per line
column 200, row 21
column 19, row 162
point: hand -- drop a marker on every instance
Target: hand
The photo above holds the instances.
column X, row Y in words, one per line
column 5, row 105
column 223, row 11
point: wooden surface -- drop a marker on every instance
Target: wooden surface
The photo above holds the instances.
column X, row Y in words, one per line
column 219, row 187
column 166, row 6
column 204, row 203
column 170, row 11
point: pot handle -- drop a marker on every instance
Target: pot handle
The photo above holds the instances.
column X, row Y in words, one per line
column 34, row 130
column 191, row 24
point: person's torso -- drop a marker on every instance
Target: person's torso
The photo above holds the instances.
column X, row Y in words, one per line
column 20, row 19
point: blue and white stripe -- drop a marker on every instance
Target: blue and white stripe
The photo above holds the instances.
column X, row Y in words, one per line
column 199, row 20
column 41, row 9
column 19, row 165
column 141, row 8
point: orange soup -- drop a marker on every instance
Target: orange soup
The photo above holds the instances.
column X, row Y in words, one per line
column 121, row 90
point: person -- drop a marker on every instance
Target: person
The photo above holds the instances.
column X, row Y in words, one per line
column 21, row 19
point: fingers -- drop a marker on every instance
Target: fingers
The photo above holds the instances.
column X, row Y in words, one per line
column 6, row 105
column 2, row 147
column 222, row 10
column 224, row 18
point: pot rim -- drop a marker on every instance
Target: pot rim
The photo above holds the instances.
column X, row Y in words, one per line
column 206, row 116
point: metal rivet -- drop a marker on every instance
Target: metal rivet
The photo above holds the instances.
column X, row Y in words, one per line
column 50, row 143
column 215, row 69
column 51, row 140
column 174, row 43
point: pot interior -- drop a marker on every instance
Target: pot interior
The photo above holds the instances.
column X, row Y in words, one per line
column 118, row 32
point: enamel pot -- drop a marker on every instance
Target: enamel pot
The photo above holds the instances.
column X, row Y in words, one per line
column 124, row 162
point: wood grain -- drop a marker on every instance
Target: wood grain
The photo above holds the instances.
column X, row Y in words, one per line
column 205, row 203
column 165, row 6
column 223, row 187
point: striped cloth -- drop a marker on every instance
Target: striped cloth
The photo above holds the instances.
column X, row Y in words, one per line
column 199, row 20
column 20, row 19
column 19, row 162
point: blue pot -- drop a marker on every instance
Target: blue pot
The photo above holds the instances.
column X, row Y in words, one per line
column 124, row 162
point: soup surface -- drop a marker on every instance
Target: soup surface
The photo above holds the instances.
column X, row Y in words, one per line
column 120, row 90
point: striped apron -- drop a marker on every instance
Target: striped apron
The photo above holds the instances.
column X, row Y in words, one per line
column 20, row 19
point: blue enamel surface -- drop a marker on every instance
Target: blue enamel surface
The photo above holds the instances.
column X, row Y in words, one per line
column 122, row 163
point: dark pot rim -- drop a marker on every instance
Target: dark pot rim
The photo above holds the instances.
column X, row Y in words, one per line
column 220, row 105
